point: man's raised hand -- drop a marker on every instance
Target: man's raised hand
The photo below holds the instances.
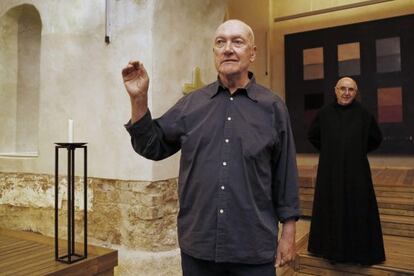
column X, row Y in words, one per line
column 136, row 79
column 136, row 82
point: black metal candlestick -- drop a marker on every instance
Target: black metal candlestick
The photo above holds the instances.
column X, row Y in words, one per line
column 71, row 255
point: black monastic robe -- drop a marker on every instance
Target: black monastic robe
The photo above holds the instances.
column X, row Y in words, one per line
column 345, row 224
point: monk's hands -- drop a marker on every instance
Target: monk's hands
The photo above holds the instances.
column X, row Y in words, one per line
column 286, row 247
column 136, row 79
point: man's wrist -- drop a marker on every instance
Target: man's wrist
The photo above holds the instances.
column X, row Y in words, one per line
column 294, row 218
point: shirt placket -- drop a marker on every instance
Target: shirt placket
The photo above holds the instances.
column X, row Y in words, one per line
column 226, row 162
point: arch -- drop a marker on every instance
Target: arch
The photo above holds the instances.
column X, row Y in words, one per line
column 20, row 38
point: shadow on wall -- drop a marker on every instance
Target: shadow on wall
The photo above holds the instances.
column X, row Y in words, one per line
column 20, row 40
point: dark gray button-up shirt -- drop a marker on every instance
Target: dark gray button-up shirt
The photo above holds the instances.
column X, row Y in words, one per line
column 238, row 174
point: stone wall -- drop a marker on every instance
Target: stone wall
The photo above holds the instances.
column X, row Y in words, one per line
column 136, row 217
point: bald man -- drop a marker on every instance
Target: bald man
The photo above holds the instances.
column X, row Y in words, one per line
column 238, row 175
column 345, row 224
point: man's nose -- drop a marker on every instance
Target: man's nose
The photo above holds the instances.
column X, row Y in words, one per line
column 347, row 90
column 228, row 48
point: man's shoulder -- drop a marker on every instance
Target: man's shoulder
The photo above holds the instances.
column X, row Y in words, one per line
column 263, row 93
column 203, row 92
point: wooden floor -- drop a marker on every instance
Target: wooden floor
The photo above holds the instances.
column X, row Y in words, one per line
column 26, row 253
column 399, row 259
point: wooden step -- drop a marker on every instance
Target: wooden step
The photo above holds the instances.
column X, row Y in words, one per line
column 404, row 193
column 306, row 209
column 397, row 225
column 389, row 207
column 404, row 202
column 399, row 261
column 380, row 191
column 391, row 203
column 396, row 212
column 393, row 176
column 397, row 177
column 402, row 189
column 391, row 225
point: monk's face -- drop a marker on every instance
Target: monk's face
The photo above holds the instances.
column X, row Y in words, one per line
column 346, row 90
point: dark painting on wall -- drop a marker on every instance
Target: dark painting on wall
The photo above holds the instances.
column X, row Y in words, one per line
column 377, row 54
column 388, row 54
column 313, row 63
column 349, row 59
column 390, row 108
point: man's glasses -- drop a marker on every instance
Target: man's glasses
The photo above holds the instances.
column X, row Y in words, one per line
column 344, row 89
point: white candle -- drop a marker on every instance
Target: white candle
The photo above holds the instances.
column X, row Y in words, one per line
column 70, row 131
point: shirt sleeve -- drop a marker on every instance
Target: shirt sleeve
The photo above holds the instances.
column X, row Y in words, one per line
column 285, row 179
column 157, row 139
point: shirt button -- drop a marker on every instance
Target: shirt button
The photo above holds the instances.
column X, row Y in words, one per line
column 226, row 140
column 231, row 99
column 221, row 211
column 228, row 118
column 222, row 187
column 224, row 163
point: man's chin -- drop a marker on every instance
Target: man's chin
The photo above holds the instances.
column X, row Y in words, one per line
column 345, row 102
column 229, row 71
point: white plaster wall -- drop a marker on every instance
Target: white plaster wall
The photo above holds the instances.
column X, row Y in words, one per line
column 8, row 77
column 19, row 81
column 81, row 79
column 80, row 75
column 28, row 80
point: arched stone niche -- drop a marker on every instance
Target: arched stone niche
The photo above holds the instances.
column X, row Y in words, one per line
column 20, row 42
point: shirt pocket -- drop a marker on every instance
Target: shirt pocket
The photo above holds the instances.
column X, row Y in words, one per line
column 256, row 139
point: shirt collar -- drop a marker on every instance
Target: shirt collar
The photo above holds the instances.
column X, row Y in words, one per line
column 250, row 91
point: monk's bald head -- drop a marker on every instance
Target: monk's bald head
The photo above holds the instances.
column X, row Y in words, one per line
column 348, row 81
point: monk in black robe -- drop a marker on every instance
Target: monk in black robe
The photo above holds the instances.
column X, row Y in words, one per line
column 345, row 224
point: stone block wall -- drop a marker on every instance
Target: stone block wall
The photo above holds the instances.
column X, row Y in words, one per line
column 136, row 217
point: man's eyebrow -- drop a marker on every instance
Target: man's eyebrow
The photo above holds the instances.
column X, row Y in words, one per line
column 230, row 37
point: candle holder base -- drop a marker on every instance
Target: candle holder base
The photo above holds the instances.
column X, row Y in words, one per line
column 74, row 258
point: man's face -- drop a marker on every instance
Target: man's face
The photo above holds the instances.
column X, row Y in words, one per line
column 346, row 91
column 233, row 49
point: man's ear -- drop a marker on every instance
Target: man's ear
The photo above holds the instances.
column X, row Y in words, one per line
column 253, row 54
